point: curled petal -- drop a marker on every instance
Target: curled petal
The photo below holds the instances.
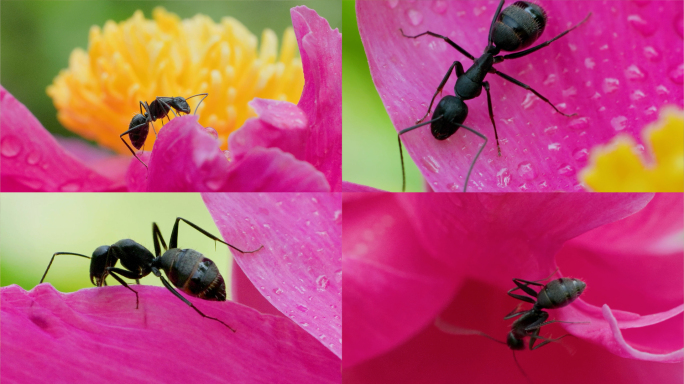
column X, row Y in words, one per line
column 33, row 161
column 298, row 269
column 244, row 292
column 90, row 335
column 352, row 187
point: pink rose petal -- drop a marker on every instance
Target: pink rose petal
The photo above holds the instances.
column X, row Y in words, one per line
column 245, row 293
column 299, row 269
column 97, row 335
column 33, row 161
column 606, row 71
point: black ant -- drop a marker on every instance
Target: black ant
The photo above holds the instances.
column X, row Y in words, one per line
column 187, row 269
column 158, row 109
column 517, row 27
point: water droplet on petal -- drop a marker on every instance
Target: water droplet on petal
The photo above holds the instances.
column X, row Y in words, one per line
column 439, row 6
column 589, row 63
column 392, row 3
column 554, row 147
column 228, row 155
column 33, row 157
column 278, row 291
column 503, row 177
column 212, row 132
column 581, row 154
column 610, row 85
column 526, row 171
column 529, row 100
column 566, row 170
column 651, row 54
column 453, row 187
column 650, row 110
column 662, row 90
column 579, row 123
column 641, row 25
column 302, row 308
column 10, row 146
column 415, row 17
column 338, row 276
column 71, row 186
column 430, row 164
column 677, row 74
column 550, row 79
column 634, row 73
column 551, row 130
column 322, row 283
column 637, row 95
column 572, row 91
column 214, row 184
column 619, row 123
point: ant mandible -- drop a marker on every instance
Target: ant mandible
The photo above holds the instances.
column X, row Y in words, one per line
column 187, row 269
column 158, row 109
column 516, row 27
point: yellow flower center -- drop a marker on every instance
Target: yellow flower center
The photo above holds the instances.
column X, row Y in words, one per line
column 139, row 60
column 619, row 167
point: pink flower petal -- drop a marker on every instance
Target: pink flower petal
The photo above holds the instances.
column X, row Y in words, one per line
column 96, row 335
column 33, row 161
column 299, row 269
column 186, row 158
column 615, row 85
column 391, row 288
column 245, row 293
column 351, row 187
column 433, row 356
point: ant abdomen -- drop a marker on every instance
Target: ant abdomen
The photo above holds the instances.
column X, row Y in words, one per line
column 138, row 136
column 560, row 292
column 518, row 26
column 194, row 274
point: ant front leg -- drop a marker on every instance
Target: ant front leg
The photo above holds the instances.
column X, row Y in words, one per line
column 128, row 146
column 127, row 274
column 534, row 337
column 523, row 85
column 534, row 325
column 459, row 72
column 173, row 242
column 491, row 114
column 448, row 40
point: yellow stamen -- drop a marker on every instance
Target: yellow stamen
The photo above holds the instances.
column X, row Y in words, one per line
column 618, row 166
column 138, row 60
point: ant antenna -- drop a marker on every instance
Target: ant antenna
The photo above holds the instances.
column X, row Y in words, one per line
column 200, row 102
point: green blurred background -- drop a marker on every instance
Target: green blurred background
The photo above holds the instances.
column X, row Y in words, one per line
column 370, row 153
column 33, row 226
column 37, row 37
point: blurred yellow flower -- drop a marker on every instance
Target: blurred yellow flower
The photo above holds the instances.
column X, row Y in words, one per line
column 618, row 166
column 138, row 60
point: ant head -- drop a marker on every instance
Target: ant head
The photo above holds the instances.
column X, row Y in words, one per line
column 518, row 26
column 452, row 110
column 181, row 105
column 514, row 343
column 101, row 259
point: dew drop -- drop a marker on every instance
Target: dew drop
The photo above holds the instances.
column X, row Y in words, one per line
column 33, row 157
column 302, row 308
column 278, row 291
column 322, row 283
column 581, row 154
column 304, row 324
column 566, row 170
column 10, row 146
column 550, row 79
column 211, row 131
column 214, row 184
column 554, row 147
column 70, row 187
column 641, row 25
column 651, row 54
column 637, row 95
column 572, row 91
column 529, row 100
column 650, row 110
column 662, row 90
column 634, row 73
column 618, row 123
column 610, row 85
column 337, row 216
column 503, row 177
column 430, row 164
column 439, row 6
column 551, row 130
column 579, row 123
column 589, row 63
column 453, row 187
column 228, row 155
column 338, row 276
column 477, row 11
column 677, row 74
column 392, row 3
column 415, row 17
column 526, row 171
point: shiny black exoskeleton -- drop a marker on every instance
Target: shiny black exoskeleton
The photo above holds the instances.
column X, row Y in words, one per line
column 139, row 126
column 187, row 269
column 514, row 28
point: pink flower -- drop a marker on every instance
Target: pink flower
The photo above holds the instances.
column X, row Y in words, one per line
column 287, row 148
column 616, row 71
column 411, row 259
column 97, row 334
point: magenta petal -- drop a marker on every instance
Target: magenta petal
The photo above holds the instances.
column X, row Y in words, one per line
column 96, row 335
column 245, row 293
column 615, row 85
column 321, row 100
column 392, row 289
column 33, row 161
column 299, row 269
column 352, row 187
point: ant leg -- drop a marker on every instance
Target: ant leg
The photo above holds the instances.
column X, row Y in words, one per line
column 515, row 312
column 401, row 154
column 128, row 274
column 148, row 115
column 53, row 258
column 167, row 108
column 178, row 295
column 491, row 29
column 200, row 102
column 533, row 326
column 523, row 284
column 156, row 234
column 459, row 69
column 539, row 46
column 129, row 147
column 174, row 236
column 448, row 40
column 491, row 114
column 536, row 337
column 472, row 165
column 521, row 84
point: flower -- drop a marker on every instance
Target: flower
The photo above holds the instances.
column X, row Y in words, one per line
column 618, row 167
column 410, row 259
column 50, row 336
column 288, row 148
column 614, row 71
